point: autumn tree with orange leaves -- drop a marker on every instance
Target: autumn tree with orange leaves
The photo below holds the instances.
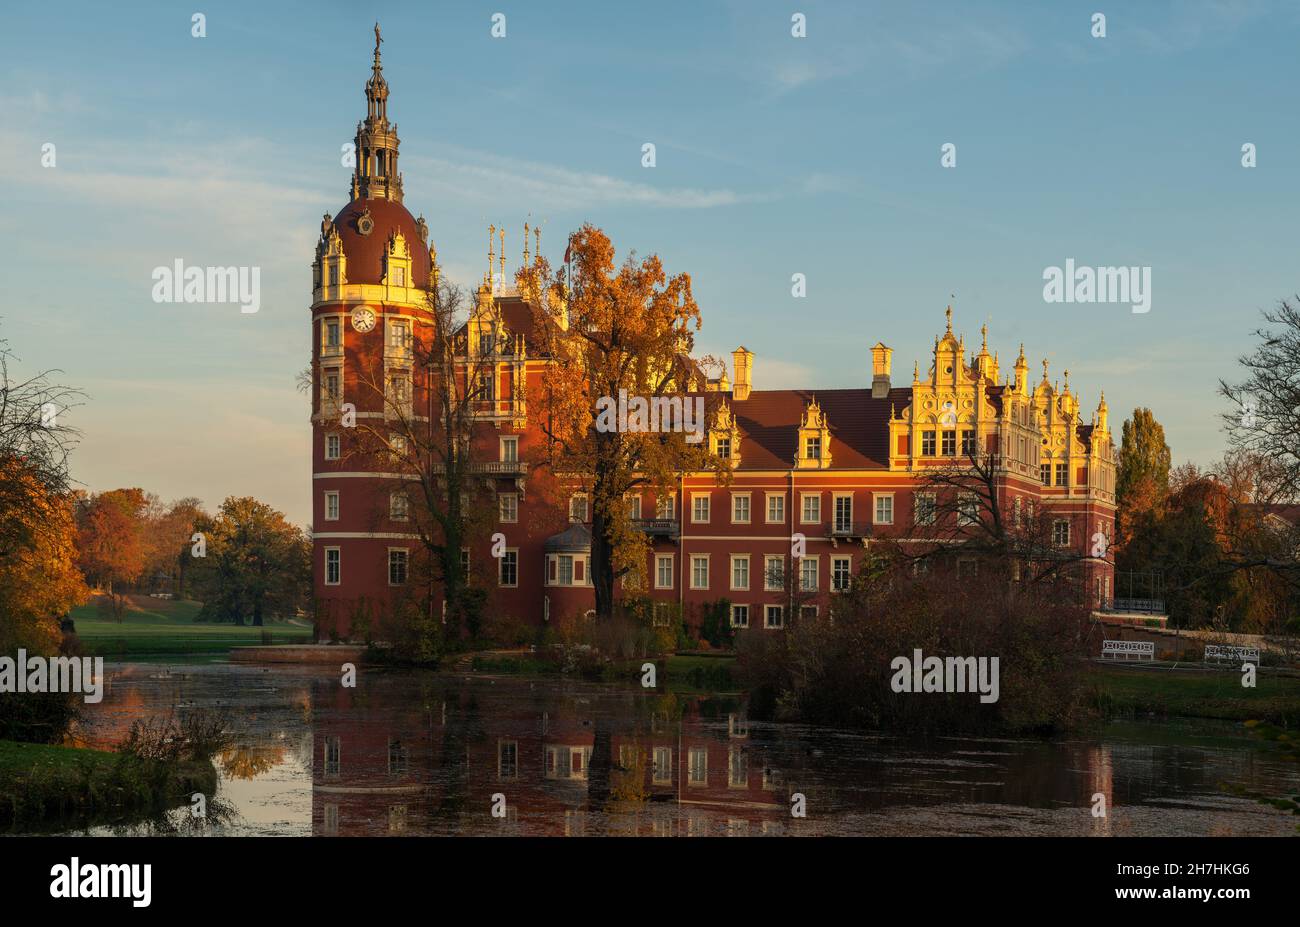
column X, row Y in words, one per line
column 608, row 328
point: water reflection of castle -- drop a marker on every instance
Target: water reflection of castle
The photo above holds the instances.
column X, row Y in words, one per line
column 573, row 761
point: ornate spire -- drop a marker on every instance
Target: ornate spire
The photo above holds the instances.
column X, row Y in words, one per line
column 375, row 175
column 949, row 315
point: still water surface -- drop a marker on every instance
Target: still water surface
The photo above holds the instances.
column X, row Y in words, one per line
column 430, row 753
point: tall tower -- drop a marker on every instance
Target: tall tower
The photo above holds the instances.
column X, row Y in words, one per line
column 369, row 319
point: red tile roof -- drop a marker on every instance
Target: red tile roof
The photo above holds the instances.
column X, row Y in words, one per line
column 769, row 422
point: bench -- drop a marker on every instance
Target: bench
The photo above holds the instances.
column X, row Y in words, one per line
column 1142, row 650
column 1217, row 653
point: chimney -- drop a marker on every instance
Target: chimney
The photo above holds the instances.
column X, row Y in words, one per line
column 881, row 358
column 742, row 366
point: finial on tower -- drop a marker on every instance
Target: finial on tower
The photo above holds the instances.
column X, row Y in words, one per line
column 949, row 315
column 984, row 331
column 502, row 257
column 525, row 245
column 492, row 240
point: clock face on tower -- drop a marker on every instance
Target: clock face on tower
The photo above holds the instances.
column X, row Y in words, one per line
column 363, row 319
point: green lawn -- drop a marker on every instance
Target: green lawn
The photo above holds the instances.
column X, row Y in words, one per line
column 159, row 626
column 1133, row 692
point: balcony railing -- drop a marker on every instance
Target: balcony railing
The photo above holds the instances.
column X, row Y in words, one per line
column 859, row 529
column 496, row 467
column 657, row 527
column 1147, row 606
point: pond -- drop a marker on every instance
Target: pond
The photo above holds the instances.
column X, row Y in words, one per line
column 422, row 753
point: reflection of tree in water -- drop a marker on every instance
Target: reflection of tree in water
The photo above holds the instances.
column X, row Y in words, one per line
column 464, row 727
column 180, row 822
column 248, row 761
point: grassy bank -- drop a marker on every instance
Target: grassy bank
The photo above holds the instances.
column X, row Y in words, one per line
column 53, row 787
column 1123, row 692
column 159, row 626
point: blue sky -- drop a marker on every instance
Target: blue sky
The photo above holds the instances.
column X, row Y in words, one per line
column 775, row 156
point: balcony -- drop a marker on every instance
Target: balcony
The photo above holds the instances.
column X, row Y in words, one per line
column 857, row 529
column 657, row 527
column 490, row 467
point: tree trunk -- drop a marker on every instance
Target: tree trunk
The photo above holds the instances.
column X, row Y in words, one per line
column 602, row 566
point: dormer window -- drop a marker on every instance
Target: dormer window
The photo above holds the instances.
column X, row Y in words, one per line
column 813, row 448
column 724, row 447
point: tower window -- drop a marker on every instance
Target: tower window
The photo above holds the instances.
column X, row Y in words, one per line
column 333, row 566
column 397, row 562
column 927, row 444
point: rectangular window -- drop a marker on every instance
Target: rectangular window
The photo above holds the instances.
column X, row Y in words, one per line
column 331, row 506
column 634, row 506
column 968, row 443
column 332, row 445
column 841, row 573
column 332, row 333
column 334, row 275
column 664, row 571
column 509, row 450
column 333, row 755
column 812, row 508
column 927, row 444
column 724, row 448
column 884, row 509
column 949, row 442
column 1061, row 533
column 399, row 506
column 333, row 566
column 1062, row 474
column 507, row 759
column 813, row 448
column 399, row 334
column 774, row 616
column 662, row 770
column 967, row 509
column 740, row 616
column 700, row 572
column 1045, row 474
column 698, row 766
column 923, row 508
column 740, row 508
column 508, row 507
column 700, row 508
column 740, row 571
column 566, row 570
column 774, row 573
column 397, row 563
column 665, row 506
column 775, row 509
column 464, row 561
column 808, row 574
column 737, row 768
column 508, row 570
column 843, row 513
column 332, row 383
column 1017, row 512
column 578, row 507
column 397, row 445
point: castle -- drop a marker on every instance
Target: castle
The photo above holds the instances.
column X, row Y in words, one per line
column 842, row 468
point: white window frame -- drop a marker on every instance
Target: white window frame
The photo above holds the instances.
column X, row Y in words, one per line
column 816, row 498
column 779, row 499
column 768, row 610
column 768, row 560
column 338, row 446
column 338, row 563
column 694, row 559
column 736, row 499
column 917, row 510
column 513, row 506
column 877, row 499
column 501, row 568
column 815, row 562
column 508, row 441
column 695, row 507
column 848, row 571
column 332, row 495
column 660, row 560
column 732, row 616
column 405, row 551
column 731, row 573
column 402, row 511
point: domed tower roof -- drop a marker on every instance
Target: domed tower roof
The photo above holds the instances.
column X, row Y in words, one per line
column 368, row 224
